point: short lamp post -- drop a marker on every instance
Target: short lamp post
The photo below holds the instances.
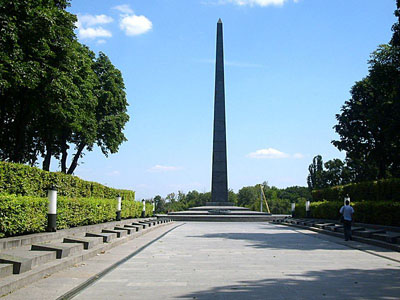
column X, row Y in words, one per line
column 293, row 209
column 143, row 209
column 119, row 200
column 52, row 209
column 307, row 209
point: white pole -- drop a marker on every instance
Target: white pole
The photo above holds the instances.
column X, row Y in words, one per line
column 119, row 207
column 52, row 209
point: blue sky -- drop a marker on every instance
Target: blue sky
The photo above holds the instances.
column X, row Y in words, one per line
column 289, row 66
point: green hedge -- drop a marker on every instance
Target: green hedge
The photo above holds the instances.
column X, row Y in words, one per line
column 25, row 214
column 18, row 179
column 370, row 212
column 381, row 190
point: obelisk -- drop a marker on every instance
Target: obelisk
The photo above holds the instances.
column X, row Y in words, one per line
column 219, row 181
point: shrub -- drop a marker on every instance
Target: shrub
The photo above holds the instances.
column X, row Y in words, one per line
column 26, row 214
column 18, row 179
column 369, row 212
column 381, row 190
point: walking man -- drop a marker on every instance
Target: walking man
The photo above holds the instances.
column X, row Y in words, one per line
column 347, row 211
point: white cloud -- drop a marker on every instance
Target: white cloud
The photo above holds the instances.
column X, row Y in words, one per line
column 124, row 8
column 160, row 168
column 99, row 42
column 86, row 29
column 91, row 33
column 135, row 25
column 269, row 153
column 298, row 155
column 90, row 20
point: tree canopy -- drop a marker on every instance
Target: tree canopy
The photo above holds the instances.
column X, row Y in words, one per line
column 55, row 93
column 369, row 123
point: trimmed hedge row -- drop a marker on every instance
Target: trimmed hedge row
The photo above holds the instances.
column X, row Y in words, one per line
column 24, row 180
column 25, row 214
column 381, row 190
column 369, row 212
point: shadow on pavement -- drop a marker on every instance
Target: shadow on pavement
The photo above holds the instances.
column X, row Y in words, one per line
column 327, row 284
column 281, row 240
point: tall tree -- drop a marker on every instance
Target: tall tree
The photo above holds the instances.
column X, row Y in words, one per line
column 35, row 38
column 368, row 126
column 315, row 179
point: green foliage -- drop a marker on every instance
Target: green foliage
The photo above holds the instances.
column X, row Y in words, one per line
column 333, row 172
column 369, row 212
column 26, row 214
column 54, row 91
column 381, row 190
column 30, row 181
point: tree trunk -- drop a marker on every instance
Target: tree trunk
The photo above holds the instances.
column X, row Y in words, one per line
column 64, row 155
column 74, row 162
column 47, row 159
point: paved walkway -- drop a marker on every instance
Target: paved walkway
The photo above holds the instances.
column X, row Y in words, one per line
column 251, row 261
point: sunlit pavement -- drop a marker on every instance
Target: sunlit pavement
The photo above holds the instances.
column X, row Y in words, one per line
column 249, row 261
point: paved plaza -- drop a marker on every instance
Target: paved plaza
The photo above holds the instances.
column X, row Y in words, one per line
column 251, row 261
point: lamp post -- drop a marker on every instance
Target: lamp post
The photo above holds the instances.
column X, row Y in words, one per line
column 52, row 209
column 154, row 207
column 307, row 209
column 143, row 209
column 119, row 202
column 293, row 209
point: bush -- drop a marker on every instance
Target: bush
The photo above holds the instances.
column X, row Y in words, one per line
column 25, row 214
column 18, row 179
column 369, row 212
column 381, row 190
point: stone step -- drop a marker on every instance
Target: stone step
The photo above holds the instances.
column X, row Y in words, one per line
column 390, row 237
column 323, row 225
column 25, row 260
column 136, row 227
column 107, row 237
column 88, row 242
column 334, row 227
column 353, row 229
column 62, row 250
column 147, row 223
column 5, row 269
column 120, row 233
column 367, row 233
column 128, row 230
column 144, row 226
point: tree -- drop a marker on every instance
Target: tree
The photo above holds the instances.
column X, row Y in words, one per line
column 55, row 93
column 315, row 179
column 109, row 115
column 35, row 40
column 368, row 126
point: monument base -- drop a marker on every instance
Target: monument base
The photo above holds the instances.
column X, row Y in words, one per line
column 213, row 213
column 219, row 204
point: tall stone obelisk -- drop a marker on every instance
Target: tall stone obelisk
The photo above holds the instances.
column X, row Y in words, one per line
column 219, row 181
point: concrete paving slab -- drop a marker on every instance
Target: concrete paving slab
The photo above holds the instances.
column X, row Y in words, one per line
column 251, row 261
